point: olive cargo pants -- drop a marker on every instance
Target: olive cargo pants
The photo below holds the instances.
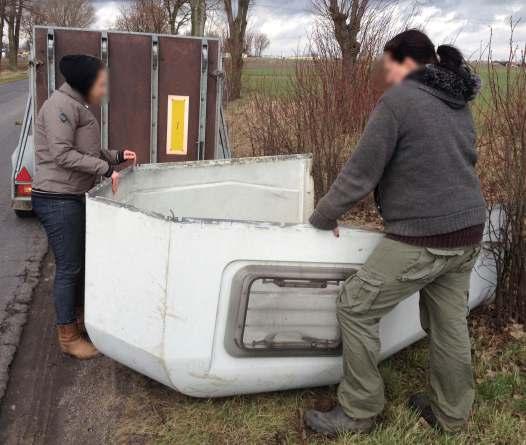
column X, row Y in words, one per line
column 393, row 272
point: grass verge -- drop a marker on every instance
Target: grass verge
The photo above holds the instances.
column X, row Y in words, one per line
column 7, row 76
column 156, row 415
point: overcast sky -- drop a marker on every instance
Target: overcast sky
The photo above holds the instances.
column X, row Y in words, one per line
column 466, row 23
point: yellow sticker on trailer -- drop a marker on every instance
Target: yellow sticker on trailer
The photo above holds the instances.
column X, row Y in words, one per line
column 177, row 128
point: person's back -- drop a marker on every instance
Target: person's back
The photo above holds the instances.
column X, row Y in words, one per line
column 418, row 154
column 436, row 137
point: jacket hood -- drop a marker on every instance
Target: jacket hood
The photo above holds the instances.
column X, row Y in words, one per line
column 454, row 88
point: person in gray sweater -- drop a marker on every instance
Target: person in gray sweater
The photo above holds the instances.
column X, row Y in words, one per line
column 418, row 155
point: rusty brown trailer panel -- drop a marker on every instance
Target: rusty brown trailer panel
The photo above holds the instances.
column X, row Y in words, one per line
column 164, row 91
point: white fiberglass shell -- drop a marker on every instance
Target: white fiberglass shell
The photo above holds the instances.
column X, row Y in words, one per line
column 205, row 276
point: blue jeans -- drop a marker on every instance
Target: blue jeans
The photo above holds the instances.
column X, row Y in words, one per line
column 64, row 221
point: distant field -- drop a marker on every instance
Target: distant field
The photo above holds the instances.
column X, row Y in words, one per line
column 275, row 76
column 270, row 75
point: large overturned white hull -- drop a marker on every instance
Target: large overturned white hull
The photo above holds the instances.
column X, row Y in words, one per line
column 205, row 277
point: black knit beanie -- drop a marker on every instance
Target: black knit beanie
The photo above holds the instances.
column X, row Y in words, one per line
column 80, row 71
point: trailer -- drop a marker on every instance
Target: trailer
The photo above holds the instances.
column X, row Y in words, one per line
column 165, row 97
column 216, row 285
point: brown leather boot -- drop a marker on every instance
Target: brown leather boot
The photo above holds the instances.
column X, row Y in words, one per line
column 72, row 343
column 80, row 321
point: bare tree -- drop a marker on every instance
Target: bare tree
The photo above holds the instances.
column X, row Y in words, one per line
column 159, row 16
column 235, row 43
column 198, row 17
column 249, row 42
column 2, row 21
column 260, row 44
column 345, row 18
column 68, row 13
column 501, row 112
column 323, row 110
column 142, row 16
column 13, row 17
column 178, row 13
column 202, row 11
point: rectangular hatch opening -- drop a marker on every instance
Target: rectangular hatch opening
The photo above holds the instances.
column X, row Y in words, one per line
column 285, row 310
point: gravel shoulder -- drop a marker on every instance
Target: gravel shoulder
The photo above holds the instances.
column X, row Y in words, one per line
column 54, row 399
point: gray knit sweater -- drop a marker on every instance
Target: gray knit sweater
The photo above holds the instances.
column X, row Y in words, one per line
column 418, row 154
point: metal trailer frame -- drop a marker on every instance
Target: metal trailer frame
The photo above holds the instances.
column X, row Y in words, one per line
column 21, row 156
column 24, row 151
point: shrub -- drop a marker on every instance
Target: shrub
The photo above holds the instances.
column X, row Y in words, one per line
column 322, row 110
column 501, row 113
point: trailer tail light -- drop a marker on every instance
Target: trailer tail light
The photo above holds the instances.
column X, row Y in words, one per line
column 286, row 310
column 23, row 183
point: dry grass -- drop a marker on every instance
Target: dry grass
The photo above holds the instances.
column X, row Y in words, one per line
column 7, row 76
column 156, row 415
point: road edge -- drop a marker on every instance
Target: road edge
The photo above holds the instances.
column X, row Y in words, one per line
column 13, row 319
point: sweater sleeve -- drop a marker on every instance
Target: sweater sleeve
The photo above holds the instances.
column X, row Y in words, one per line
column 363, row 171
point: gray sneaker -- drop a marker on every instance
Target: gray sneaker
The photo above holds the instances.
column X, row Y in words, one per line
column 336, row 421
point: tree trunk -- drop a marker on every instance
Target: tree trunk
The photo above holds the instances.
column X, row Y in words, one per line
column 13, row 46
column 198, row 17
column 350, row 53
column 347, row 24
column 2, row 21
column 237, row 27
column 13, row 32
column 1, row 29
column 236, row 70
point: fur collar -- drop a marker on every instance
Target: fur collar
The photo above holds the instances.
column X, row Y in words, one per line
column 461, row 87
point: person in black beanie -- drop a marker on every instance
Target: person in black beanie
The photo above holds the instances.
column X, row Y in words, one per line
column 68, row 160
column 80, row 71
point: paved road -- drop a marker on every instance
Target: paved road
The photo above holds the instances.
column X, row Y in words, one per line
column 22, row 244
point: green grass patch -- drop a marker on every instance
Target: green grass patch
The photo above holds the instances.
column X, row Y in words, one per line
column 269, row 76
column 499, row 387
column 157, row 415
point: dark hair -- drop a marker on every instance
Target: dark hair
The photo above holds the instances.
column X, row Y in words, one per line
column 450, row 57
column 80, row 71
column 412, row 43
column 419, row 47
